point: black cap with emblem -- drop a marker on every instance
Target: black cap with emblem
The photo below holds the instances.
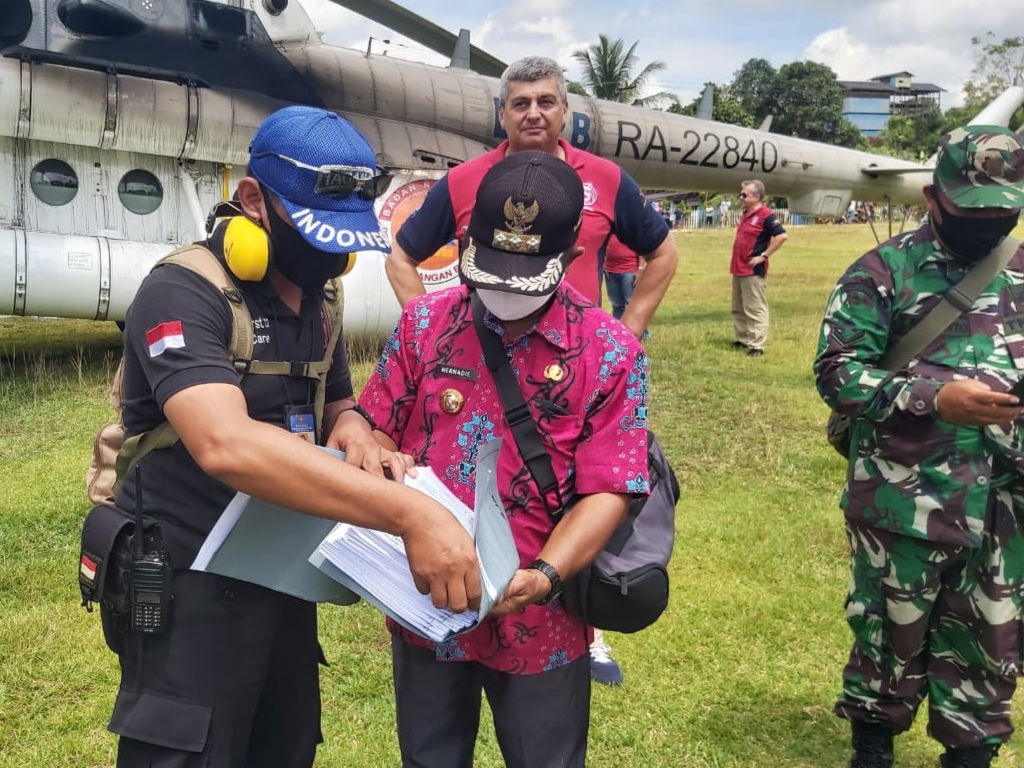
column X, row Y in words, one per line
column 528, row 211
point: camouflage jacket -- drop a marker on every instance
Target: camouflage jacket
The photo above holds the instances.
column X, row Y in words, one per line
column 911, row 472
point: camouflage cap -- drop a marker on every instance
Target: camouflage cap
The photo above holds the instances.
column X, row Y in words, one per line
column 981, row 166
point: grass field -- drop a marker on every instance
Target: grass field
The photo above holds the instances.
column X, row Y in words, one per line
column 740, row 672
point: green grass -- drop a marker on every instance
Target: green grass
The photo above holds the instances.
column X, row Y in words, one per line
column 740, row 672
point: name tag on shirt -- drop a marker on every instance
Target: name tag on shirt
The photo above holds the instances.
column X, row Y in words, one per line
column 301, row 422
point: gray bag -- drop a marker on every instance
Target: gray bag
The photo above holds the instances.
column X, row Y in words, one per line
column 625, row 588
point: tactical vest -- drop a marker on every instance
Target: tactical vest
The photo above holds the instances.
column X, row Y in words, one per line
column 114, row 455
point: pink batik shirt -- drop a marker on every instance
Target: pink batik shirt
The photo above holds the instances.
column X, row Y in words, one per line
column 584, row 377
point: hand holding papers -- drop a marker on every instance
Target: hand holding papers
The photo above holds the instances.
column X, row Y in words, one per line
column 265, row 544
column 373, row 564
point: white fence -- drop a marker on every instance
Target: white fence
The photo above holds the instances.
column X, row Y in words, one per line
column 699, row 219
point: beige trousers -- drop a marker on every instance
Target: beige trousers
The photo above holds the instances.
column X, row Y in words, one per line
column 750, row 310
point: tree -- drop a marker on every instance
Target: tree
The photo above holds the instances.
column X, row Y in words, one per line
column 808, row 102
column 898, row 136
column 927, row 132
column 955, row 117
column 998, row 65
column 608, row 73
column 726, row 108
column 753, row 86
column 846, row 134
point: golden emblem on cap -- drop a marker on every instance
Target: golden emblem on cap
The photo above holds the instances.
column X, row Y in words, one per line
column 451, row 401
column 518, row 218
column 554, row 372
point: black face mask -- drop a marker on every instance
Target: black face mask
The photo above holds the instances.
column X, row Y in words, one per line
column 970, row 238
column 296, row 259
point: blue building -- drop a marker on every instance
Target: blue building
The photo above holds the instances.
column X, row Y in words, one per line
column 869, row 104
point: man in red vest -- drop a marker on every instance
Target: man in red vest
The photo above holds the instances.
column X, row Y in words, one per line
column 533, row 110
column 758, row 236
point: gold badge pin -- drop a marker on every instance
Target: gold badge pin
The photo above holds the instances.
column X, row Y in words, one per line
column 451, row 401
column 554, row 373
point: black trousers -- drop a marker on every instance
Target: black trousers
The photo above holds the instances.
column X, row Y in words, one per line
column 233, row 683
column 541, row 721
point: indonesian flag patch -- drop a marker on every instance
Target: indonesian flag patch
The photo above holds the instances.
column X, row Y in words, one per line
column 165, row 336
column 87, row 569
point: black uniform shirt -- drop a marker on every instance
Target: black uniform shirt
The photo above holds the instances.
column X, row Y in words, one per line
column 177, row 335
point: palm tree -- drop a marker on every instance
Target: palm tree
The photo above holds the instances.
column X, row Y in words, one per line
column 608, row 74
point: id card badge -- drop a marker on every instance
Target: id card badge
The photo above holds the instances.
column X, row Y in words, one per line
column 301, row 422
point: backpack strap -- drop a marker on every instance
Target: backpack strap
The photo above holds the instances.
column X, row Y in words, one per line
column 334, row 305
column 204, row 263
column 954, row 303
column 136, row 447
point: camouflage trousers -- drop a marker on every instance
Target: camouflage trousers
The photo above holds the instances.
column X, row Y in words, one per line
column 937, row 620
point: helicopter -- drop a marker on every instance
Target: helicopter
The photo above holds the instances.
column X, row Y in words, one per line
column 125, row 121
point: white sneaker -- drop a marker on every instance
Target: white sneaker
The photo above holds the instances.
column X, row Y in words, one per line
column 603, row 668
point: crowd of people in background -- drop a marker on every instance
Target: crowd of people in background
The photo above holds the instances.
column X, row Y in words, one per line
column 724, row 212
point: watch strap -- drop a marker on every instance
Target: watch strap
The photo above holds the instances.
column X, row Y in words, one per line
column 365, row 414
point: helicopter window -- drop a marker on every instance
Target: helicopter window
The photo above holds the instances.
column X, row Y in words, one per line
column 54, row 182
column 140, row 192
column 212, row 22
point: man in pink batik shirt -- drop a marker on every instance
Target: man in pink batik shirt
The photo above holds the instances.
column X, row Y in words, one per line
column 584, row 378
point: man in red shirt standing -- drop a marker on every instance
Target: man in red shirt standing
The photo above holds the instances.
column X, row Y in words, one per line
column 533, row 111
column 758, row 236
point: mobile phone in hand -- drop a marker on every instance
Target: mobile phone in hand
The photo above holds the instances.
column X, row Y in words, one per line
column 1018, row 391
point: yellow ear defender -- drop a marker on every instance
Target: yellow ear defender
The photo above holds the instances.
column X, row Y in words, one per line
column 349, row 264
column 246, row 247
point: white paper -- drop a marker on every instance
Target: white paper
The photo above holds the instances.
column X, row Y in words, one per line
column 374, row 565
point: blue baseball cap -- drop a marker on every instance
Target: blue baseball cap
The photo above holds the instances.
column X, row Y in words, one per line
column 325, row 173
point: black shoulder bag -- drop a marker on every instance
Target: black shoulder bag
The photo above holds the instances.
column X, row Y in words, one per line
column 626, row 587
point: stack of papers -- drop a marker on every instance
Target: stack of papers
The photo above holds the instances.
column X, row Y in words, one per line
column 374, row 565
column 323, row 561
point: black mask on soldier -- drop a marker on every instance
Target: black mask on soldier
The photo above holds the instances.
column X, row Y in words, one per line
column 296, row 259
column 972, row 238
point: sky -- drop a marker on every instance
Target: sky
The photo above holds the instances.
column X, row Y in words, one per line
column 709, row 41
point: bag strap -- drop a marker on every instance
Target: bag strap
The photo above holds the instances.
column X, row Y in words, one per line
column 135, row 448
column 517, row 412
column 954, row 303
column 333, row 307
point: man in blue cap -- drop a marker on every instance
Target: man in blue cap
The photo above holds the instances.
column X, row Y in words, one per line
column 232, row 680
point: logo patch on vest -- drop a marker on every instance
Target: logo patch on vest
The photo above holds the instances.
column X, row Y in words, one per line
column 589, row 195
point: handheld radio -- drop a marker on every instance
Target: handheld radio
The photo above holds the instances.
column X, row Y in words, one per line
column 150, row 579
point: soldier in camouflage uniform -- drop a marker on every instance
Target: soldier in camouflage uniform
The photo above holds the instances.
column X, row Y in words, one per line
column 934, row 498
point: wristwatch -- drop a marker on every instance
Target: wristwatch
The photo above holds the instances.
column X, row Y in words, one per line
column 556, row 581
